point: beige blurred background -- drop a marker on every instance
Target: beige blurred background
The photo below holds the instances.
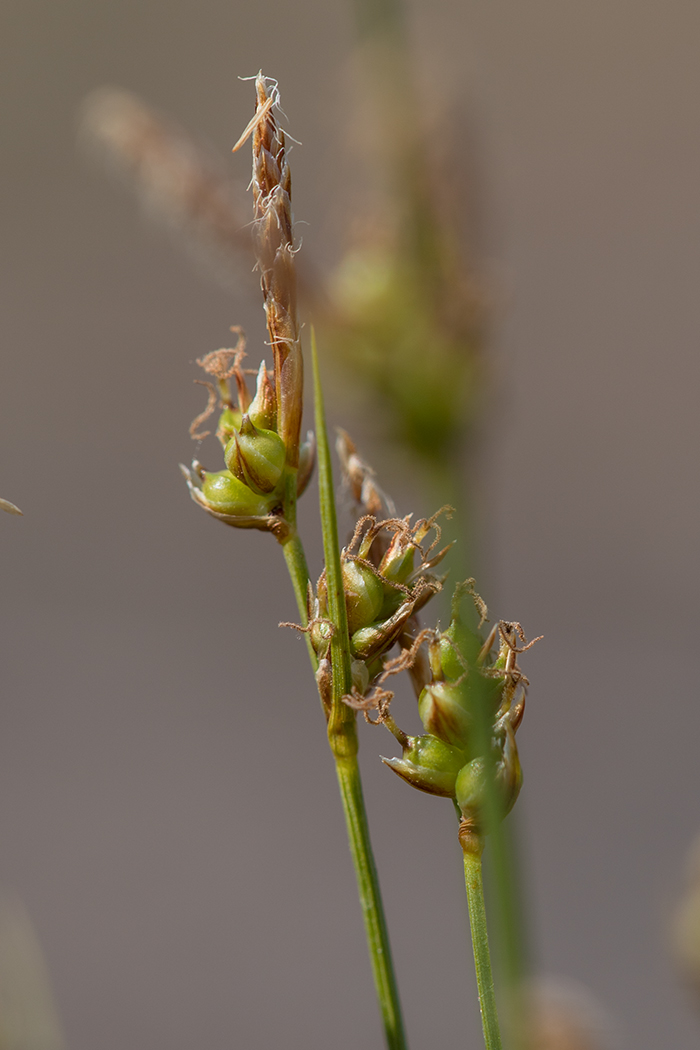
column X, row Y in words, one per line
column 167, row 808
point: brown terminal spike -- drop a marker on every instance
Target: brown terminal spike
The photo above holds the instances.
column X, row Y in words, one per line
column 274, row 247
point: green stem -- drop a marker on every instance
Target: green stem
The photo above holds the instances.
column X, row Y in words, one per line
column 294, row 555
column 371, row 901
column 344, row 747
column 480, row 944
column 342, row 737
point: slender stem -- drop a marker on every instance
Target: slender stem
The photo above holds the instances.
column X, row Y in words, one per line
column 344, row 747
column 342, row 737
column 295, row 558
column 370, row 900
column 480, row 944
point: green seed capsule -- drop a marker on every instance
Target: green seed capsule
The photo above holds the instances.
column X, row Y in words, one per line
column 469, row 787
column 443, row 710
column 370, row 642
column 448, row 662
column 445, row 659
column 321, row 634
column 393, row 599
column 398, row 561
column 256, row 457
column 367, row 640
column 360, row 676
column 364, row 594
column 227, row 495
column 429, row 765
column 455, row 649
column 471, row 781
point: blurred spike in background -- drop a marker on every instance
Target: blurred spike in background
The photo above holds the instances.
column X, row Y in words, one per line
column 180, row 183
column 28, row 1018
column 685, row 926
column 565, row 1016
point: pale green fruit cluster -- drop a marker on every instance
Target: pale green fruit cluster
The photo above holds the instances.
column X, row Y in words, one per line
column 380, row 600
column 446, row 760
column 255, row 455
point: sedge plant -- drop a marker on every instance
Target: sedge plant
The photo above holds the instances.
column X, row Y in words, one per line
column 361, row 617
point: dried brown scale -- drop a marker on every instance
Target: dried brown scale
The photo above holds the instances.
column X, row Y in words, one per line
column 470, row 836
column 274, row 247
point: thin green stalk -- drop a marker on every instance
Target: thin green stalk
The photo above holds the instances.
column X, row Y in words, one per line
column 295, row 558
column 342, row 737
column 370, row 901
column 350, row 785
column 480, row 943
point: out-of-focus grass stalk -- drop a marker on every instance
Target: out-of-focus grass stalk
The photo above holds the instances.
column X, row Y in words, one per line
column 383, row 34
column 28, row 1014
column 425, row 248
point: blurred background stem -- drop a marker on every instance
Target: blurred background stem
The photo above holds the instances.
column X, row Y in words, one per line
column 432, row 404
